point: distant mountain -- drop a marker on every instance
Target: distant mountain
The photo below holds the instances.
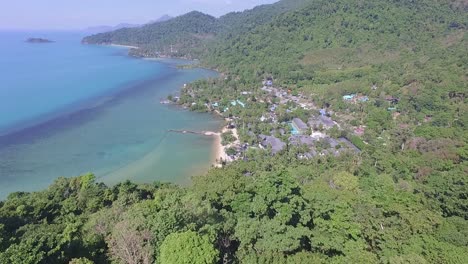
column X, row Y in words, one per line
column 102, row 29
column 188, row 35
column 161, row 19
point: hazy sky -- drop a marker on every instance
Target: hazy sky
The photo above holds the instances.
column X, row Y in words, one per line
column 78, row 14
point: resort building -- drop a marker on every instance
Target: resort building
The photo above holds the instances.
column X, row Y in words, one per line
column 349, row 144
column 299, row 127
column 321, row 121
column 275, row 143
column 349, row 97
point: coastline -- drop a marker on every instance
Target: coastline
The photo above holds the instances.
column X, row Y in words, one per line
column 37, row 143
column 220, row 155
column 124, row 46
column 219, row 151
column 195, row 62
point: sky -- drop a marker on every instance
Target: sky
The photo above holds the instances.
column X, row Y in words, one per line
column 80, row 14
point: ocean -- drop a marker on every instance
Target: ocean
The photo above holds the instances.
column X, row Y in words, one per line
column 67, row 109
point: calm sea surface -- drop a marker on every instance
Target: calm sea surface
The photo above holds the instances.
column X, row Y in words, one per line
column 67, row 109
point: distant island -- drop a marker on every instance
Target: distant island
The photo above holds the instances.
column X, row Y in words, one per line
column 38, row 40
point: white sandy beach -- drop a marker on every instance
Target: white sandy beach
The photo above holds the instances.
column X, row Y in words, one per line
column 124, row 46
column 220, row 150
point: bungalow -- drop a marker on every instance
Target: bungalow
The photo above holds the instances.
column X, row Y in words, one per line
column 324, row 121
column 302, row 140
column 349, row 144
column 266, row 89
column 323, row 112
column 349, row 97
column 299, row 126
column 392, row 100
column 241, row 103
column 363, row 99
column 273, row 108
column 235, row 102
column 359, row 131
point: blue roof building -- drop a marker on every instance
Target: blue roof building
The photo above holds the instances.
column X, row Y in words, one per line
column 323, row 112
column 241, row 103
column 349, row 97
column 364, row 99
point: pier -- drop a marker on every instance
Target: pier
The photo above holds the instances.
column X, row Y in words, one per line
column 203, row 133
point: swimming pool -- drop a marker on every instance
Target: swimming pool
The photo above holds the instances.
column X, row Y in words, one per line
column 294, row 130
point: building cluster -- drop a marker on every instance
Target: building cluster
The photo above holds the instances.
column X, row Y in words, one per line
column 311, row 134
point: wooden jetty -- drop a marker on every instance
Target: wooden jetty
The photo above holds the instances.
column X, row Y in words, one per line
column 204, row 133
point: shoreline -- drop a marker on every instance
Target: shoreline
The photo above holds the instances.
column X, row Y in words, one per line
column 124, row 46
column 136, row 169
column 220, row 155
column 165, row 57
column 43, row 135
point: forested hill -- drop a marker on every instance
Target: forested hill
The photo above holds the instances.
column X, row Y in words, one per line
column 400, row 197
column 175, row 37
column 188, row 35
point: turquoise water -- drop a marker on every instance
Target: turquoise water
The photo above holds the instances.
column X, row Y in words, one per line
column 68, row 109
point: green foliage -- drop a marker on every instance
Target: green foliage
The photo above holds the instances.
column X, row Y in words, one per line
column 81, row 261
column 187, row 247
column 227, row 138
column 175, row 37
column 403, row 199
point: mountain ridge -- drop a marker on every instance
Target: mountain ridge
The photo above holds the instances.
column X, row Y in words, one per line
column 103, row 29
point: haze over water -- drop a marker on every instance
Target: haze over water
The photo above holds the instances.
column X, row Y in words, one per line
column 68, row 109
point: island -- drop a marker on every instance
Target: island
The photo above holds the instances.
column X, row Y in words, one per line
column 38, row 40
